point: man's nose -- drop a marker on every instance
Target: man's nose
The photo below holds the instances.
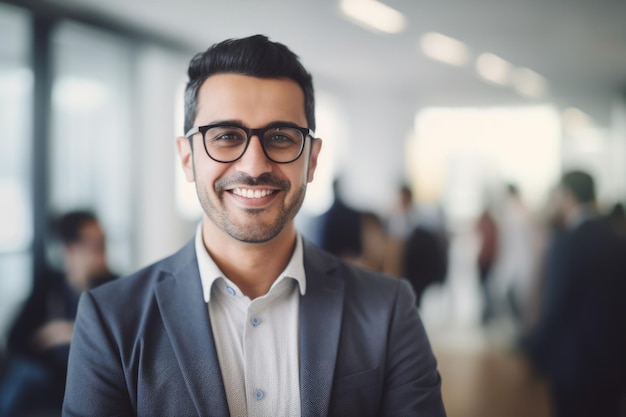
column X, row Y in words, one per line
column 254, row 162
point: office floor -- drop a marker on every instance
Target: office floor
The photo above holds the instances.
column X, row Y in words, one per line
column 483, row 377
column 481, row 374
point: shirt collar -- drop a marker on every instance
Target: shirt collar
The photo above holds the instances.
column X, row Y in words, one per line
column 210, row 272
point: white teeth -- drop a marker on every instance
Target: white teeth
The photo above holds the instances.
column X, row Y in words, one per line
column 248, row 193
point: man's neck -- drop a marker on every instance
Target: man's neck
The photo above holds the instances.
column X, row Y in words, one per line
column 253, row 267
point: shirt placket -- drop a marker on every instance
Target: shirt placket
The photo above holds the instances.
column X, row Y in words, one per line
column 258, row 362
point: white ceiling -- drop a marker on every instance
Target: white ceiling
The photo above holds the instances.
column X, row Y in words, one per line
column 578, row 46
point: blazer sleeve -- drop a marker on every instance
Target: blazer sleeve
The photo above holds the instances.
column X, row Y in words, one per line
column 412, row 385
column 96, row 384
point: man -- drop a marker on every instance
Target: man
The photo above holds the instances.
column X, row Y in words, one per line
column 40, row 338
column 580, row 339
column 248, row 319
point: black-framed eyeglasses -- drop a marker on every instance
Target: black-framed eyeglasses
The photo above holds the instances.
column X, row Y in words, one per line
column 226, row 142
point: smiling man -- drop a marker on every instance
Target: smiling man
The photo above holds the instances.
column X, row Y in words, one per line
column 250, row 319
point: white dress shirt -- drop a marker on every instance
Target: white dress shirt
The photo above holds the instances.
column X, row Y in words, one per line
column 256, row 340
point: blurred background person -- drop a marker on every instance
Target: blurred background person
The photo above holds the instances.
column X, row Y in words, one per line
column 357, row 236
column 414, row 249
column 580, row 339
column 39, row 340
column 340, row 228
column 424, row 260
column 488, row 251
column 399, row 225
column 515, row 271
column 373, row 242
column 617, row 219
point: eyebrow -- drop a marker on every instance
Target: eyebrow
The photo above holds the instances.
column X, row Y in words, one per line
column 239, row 123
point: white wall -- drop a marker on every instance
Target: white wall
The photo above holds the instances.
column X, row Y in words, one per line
column 378, row 125
column 159, row 228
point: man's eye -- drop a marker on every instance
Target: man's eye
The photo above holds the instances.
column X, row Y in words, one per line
column 283, row 137
column 229, row 137
column 226, row 136
column 278, row 138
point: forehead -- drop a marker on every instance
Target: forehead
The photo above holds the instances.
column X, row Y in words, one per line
column 251, row 100
column 91, row 230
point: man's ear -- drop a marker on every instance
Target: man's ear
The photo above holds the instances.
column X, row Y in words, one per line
column 185, row 153
column 316, row 146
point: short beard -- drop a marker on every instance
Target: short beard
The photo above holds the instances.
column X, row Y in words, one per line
column 254, row 233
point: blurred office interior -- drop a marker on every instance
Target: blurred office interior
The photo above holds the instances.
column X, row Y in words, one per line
column 456, row 99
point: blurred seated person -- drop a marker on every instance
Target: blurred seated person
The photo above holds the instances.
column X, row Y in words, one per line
column 38, row 343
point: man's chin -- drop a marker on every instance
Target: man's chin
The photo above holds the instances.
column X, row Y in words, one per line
column 253, row 237
column 252, row 240
column 255, row 232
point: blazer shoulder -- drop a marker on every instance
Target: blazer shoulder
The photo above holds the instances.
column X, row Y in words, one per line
column 133, row 288
column 358, row 281
column 375, row 284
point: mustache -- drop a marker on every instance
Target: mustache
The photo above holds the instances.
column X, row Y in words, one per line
column 225, row 183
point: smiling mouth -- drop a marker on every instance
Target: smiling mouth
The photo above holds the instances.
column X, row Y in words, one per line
column 250, row 193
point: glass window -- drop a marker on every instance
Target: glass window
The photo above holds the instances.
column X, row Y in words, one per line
column 92, row 131
column 16, row 228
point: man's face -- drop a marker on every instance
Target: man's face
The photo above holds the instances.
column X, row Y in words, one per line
column 85, row 259
column 561, row 205
column 252, row 199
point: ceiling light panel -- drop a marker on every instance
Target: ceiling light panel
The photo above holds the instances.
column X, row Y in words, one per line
column 529, row 83
column 494, row 69
column 444, row 49
column 374, row 15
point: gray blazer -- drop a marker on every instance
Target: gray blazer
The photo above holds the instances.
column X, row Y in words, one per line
column 143, row 346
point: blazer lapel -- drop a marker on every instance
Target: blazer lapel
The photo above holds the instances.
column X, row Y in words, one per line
column 320, row 325
column 186, row 320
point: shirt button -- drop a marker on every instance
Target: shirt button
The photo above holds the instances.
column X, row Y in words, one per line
column 230, row 291
column 258, row 395
column 255, row 320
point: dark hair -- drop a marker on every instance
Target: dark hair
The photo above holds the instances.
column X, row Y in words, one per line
column 255, row 56
column 67, row 227
column 406, row 191
column 581, row 185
